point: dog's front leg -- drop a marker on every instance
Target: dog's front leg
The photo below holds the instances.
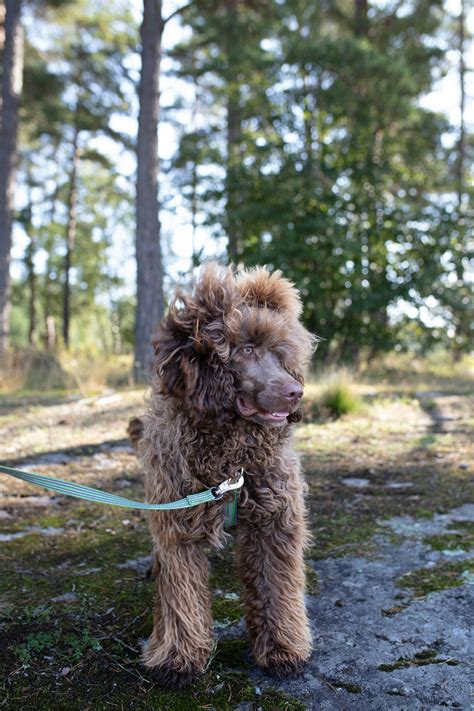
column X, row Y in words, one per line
column 181, row 641
column 271, row 566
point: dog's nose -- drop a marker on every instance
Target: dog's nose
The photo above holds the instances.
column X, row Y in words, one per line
column 292, row 391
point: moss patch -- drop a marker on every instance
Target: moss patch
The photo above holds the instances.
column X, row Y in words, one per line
column 312, row 581
column 420, row 659
column 341, row 533
column 346, row 685
column 440, row 577
column 84, row 652
column 227, row 604
column 461, row 538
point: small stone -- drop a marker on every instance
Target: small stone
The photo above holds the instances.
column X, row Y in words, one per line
column 123, row 483
column 232, row 596
column 49, row 531
column 65, row 671
column 4, row 515
column 67, row 597
column 6, row 537
column 89, row 571
column 464, row 465
column 142, row 564
column 356, row 483
column 102, row 462
column 53, row 458
column 39, row 501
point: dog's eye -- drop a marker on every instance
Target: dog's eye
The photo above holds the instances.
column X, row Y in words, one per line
column 247, row 350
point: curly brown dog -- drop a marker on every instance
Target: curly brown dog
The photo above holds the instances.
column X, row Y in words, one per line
column 226, row 387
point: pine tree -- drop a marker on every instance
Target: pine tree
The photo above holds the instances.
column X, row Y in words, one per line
column 332, row 156
column 150, row 302
column 73, row 90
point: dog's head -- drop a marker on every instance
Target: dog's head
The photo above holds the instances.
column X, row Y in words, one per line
column 235, row 348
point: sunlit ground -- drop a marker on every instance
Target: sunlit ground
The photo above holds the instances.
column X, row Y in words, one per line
column 75, row 599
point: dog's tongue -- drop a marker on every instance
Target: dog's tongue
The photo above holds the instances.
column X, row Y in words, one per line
column 275, row 415
column 248, row 409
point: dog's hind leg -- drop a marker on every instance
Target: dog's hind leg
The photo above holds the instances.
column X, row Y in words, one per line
column 271, row 565
column 181, row 641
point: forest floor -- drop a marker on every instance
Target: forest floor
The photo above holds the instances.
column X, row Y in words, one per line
column 389, row 574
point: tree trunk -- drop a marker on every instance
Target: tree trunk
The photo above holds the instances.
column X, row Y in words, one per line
column 194, row 183
column 462, row 108
column 50, row 333
column 31, row 278
column 11, row 93
column 2, row 31
column 234, row 246
column 29, row 259
column 70, row 235
column 361, row 24
column 150, row 300
column 464, row 325
column 234, row 236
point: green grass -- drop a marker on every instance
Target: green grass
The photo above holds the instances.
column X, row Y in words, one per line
column 339, row 399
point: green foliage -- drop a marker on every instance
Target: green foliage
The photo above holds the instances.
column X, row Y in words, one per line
column 302, row 137
column 335, row 171
column 76, row 86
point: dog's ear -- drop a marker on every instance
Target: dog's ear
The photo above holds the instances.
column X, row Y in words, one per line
column 190, row 360
column 209, row 388
column 169, row 344
column 259, row 287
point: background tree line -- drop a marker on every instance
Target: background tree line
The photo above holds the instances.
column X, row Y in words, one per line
column 300, row 135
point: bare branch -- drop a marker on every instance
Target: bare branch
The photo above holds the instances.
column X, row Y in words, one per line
column 177, row 12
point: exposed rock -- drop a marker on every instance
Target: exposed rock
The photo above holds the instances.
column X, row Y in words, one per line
column 418, row 657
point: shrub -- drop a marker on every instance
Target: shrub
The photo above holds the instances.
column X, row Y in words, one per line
column 338, row 396
column 33, row 369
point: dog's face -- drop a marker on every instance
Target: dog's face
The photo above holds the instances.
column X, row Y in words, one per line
column 235, row 347
column 266, row 391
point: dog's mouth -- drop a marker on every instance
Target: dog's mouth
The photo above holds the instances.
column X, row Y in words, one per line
column 249, row 410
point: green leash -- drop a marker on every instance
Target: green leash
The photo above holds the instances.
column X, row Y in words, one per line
column 68, row 488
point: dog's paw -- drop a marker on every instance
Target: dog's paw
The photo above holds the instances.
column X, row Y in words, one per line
column 282, row 665
column 173, row 678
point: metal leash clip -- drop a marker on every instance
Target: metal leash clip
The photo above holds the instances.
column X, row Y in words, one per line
column 231, row 484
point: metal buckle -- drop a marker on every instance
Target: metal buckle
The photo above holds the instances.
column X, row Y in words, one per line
column 231, row 484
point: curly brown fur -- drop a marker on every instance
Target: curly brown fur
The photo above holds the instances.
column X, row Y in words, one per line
column 227, row 379
column 135, row 431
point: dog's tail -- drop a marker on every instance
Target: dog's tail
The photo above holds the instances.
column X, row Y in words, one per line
column 135, row 431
